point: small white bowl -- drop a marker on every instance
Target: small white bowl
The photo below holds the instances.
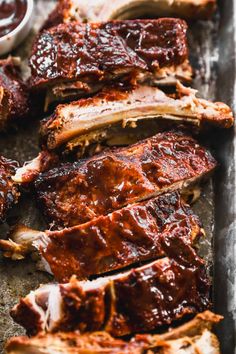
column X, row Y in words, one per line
column 15, row 37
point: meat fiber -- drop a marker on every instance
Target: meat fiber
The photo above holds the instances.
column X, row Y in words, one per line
column 145, row 231
column 8, row 189
column 78, row 59
column 75, row 193
column 139, row 300
column 104, row 10
column 194, row 336
column 14, row 103
column 93, row 120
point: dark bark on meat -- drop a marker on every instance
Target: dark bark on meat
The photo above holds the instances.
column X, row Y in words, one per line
column 14, row 100
column 76, row 193
column 133, row 234
column 140, row 300
column 93, row 55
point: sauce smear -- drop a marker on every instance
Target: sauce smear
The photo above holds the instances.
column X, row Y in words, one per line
column 12, row 13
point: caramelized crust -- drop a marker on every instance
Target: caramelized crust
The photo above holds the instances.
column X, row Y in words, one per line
column 141, row 232
column 93, row 55
column 140, row 300
column 76, row 193
column 13, row 92
column 8, row 190
column 137, row 233
column 194, row 335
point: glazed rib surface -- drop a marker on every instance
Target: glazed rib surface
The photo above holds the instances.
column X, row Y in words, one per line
column 82, row 58
column 139, row 300
column 195, row 335
column 137, row 233
column 141, row 232
column 13, row 92
column 75, row 193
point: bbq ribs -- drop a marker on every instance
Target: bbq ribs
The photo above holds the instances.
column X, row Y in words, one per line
column 144, row 231
column 75, row 193
column 104, row 10
column 193, row 336
column 8, row 189
column 14, row 102
column 141, row 299
column 101, row 118
column 77, row 59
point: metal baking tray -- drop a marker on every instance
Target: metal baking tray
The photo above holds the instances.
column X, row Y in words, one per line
column 213, row 55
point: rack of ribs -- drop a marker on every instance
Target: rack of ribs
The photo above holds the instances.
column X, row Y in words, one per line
column 78, row 59
column 9, row 193
column 14, row 102
column 109, row 114
column 139, row 300
column 75, row 193
column 104, row 10
column 195, row 335
column 144, row 231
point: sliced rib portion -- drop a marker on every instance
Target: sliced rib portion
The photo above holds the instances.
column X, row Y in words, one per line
column 73, row 343
column 194, row 336
column 141, row 232
column 79, row 59
column 104, row 10
column 75, row 193
column 8, row 189
column 13, row 92
column 89, row 117
column 139, row 300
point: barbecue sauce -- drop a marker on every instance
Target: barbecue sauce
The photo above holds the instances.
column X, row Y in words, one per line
column 12, row 13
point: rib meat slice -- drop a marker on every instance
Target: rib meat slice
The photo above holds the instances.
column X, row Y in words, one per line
column 139, row 300
column 73, row 343
column 83, row 120
column 13, row 93
column 8, row 189
column 79, row 59
column 75, row 193
column 193, row 336
column 140, row 232
column 104, row 10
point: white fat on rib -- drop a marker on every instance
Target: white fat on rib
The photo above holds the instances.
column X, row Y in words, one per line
column 24, row 173
column 38, row 298
column 55, row 310
column 206, row 343
column 103, row 10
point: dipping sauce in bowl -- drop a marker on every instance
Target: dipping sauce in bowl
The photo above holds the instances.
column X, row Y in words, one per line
column 12, row 13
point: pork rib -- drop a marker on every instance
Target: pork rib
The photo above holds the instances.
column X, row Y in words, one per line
column 75, row 193
column 104, row 10
column 196, row 335
column 139, row 300
column 13, row 93
column 91, row 120
column 140, row 232
column 80, row 59
column 8, row 189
